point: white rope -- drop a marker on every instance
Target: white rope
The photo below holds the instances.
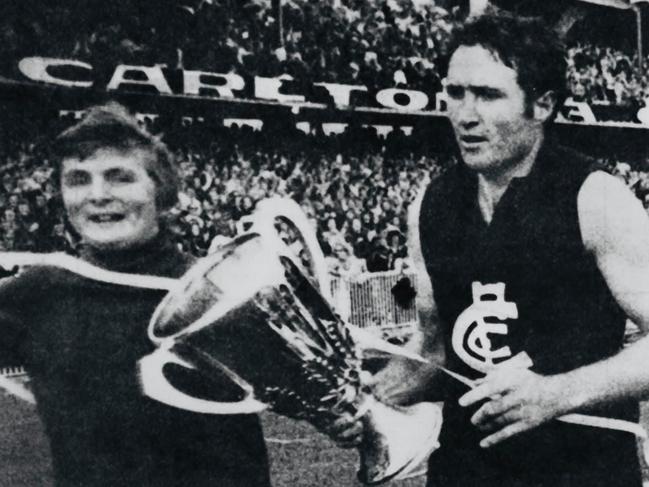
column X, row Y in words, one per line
column 606, row 423
column 17, row 389
column 9, row 260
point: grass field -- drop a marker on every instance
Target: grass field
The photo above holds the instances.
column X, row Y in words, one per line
column 300, row 456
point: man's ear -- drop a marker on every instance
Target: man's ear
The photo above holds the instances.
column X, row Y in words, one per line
column 544, row 106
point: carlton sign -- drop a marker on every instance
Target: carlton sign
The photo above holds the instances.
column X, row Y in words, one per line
column 284, row 89
column 78, row 74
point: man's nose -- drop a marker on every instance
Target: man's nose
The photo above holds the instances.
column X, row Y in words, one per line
column 100, row 190
column 466, row 113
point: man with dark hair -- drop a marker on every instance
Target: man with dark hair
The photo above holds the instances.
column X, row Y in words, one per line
column 534, row 261
column 110, row 126
column 80, row 339
column 526, row 45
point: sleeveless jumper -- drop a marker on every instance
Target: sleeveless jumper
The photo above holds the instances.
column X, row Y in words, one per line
column 522, row 283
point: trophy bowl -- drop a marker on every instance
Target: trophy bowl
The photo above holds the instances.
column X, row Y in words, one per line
column 255, row 313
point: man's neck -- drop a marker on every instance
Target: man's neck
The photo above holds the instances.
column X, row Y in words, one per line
column 492, row 185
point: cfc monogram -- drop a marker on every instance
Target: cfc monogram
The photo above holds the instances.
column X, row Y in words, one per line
column 471, row 333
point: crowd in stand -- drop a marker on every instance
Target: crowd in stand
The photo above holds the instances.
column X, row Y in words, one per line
column 349, row 41
column 356, row 199
column 354, row 187
column 30, row 216
column 373, row 43
column 605, row 75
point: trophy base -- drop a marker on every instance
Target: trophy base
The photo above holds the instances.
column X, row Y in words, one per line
column 397, row 439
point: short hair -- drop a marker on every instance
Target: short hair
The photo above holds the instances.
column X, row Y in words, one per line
column 525, row 44
column 111, row 126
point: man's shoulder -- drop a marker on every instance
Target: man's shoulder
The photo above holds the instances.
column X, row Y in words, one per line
column 446, row 182
column 565, row 170
column 563, row 152
column 567, row 158
column 602, row 200
column 30, row 283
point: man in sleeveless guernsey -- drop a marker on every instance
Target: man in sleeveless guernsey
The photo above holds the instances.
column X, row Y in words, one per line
column 530, row 253
column 80, row 339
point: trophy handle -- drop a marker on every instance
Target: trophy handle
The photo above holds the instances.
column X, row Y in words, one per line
column 156, row 386
column 263, row 221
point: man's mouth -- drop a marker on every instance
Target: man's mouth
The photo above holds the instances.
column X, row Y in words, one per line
column 106, row 217
column 472, row 139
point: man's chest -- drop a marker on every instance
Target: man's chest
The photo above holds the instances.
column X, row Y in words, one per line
column 84, row 327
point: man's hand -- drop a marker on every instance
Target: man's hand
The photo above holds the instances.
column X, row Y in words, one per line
column 517, row 400
column 346, row 431
column 402, row 381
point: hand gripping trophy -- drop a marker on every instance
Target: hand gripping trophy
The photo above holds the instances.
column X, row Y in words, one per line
column 255, row 312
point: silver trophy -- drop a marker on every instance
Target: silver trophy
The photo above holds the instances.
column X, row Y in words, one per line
column 259, row 314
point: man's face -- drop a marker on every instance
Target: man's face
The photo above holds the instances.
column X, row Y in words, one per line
column 487, row 109
column 110, row 198
column 10, row 215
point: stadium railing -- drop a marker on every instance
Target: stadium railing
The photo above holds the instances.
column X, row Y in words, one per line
column 13, row 371
column 367, row 301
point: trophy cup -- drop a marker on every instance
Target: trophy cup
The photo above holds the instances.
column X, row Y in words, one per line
column 261, row 316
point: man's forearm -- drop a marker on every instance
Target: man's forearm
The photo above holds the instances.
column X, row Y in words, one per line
column 405, row 381
column 624, row 375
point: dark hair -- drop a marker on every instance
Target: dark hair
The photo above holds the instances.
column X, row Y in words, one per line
column 524, row 44
column 111, row 126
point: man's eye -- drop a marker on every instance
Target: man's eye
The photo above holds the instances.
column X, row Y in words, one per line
column 455, row 92
column 76, row 179
column 123, row 177
column 488, row 94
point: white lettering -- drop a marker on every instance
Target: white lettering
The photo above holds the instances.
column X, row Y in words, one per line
column 153, row 75
column 194, row 82
column 35, row 68
column 416, row 99
column 268, row 89
column 471, row 338
column 579, row 111
column 643, row 113
column 341, row 94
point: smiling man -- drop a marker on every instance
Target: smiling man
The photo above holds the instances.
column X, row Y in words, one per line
column 80, row 339
column 110, row 198
column 534, row 257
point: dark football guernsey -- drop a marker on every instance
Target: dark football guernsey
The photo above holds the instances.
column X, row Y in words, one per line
column 80, row 340
column 523, row 283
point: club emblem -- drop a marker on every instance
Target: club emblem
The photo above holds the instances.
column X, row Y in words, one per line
column 471, row 334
